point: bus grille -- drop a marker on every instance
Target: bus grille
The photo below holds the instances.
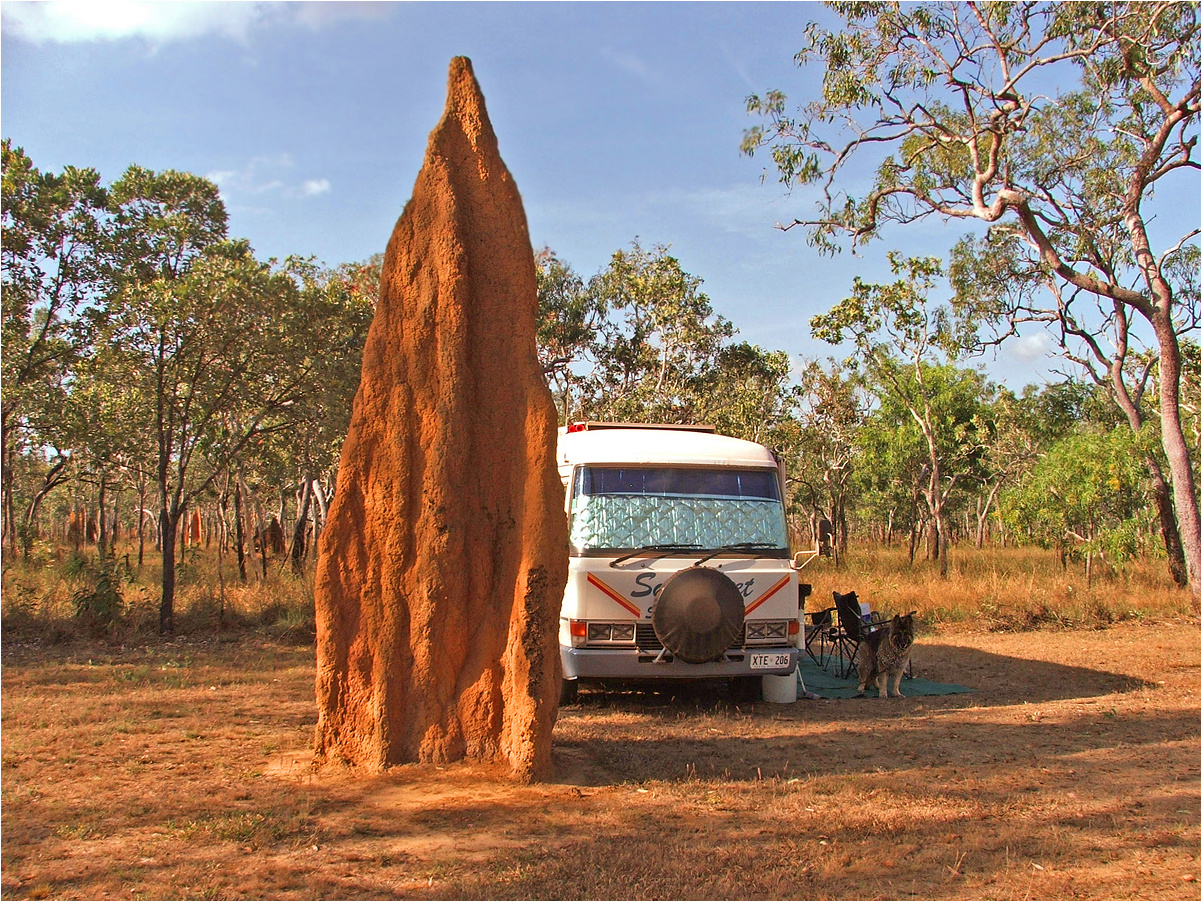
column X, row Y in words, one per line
column 646, row 639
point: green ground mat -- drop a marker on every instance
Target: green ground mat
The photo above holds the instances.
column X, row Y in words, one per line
column 826, row 685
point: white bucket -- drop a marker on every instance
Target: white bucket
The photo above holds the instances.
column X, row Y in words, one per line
column 780, row 690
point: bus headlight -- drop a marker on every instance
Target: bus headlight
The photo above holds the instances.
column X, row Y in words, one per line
column 768, row 632
column 590, row 632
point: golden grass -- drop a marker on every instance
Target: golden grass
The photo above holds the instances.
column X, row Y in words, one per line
column 40, row 597
column 991, row 589
column 1000, row 589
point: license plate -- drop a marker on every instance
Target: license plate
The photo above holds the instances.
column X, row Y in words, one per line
column 769, row 661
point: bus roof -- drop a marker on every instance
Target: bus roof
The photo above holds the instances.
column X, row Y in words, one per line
column 658, row 446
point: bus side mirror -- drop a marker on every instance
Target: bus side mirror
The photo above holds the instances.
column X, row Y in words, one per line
column 803, row 557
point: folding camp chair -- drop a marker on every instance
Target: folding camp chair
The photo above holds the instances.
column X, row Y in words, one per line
column 822, row 636
column 833, row 635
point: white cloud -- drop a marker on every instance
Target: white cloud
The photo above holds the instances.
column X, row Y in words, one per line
column 1029, row 348
column 71, row 21
column 632, row 65
column 266, row 175
column 259, row 176
column 320, row 13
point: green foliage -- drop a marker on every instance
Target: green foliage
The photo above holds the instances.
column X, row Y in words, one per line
column 326, row 322
column 896, row 318
column 640, row 342
column 159, row 347
column 952, row 99
column 749, row 394
column 99, row 602
column 164, row 222
column 1087, row 493
column 53, row 265
column 833, row 404
column 929, row 410
column 569, row 317
column 1061, row 129
column 657, row 342
column 145, row 350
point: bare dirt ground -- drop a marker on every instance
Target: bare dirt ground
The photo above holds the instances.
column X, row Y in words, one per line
column 182, row 770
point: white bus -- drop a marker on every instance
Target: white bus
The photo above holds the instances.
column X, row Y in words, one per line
column 679, row 563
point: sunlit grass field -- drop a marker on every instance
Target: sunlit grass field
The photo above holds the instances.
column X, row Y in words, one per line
column 60, row 593
column 998, row 588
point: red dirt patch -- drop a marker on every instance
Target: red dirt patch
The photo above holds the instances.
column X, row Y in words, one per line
column 180, row 770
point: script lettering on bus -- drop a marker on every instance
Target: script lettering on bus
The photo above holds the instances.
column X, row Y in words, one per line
column 651, row 583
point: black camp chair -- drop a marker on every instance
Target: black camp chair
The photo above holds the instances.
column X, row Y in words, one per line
column 853, row 630
column 821, row 636
column 835, row 639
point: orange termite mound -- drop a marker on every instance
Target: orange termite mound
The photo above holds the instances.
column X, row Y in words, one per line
column 442, row 565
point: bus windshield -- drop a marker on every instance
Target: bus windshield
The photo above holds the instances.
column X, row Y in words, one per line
column 625, row 508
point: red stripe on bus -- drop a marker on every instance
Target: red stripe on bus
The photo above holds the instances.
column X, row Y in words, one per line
column 759, row 601
column 614, row 595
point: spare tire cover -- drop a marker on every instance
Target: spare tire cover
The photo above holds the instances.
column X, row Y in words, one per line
column 698, row 614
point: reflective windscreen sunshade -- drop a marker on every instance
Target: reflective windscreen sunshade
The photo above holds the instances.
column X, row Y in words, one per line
column 633, row 507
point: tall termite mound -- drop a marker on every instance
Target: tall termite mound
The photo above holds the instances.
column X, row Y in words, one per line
column 443, row 562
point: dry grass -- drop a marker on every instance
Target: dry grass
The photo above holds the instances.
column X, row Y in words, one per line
column 41, row 598
column 997, row 589
column 1001, row 589
column 141, row 767
column 181, row 770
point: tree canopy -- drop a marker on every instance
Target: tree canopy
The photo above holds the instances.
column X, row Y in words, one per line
column 148, row 354
column 1065, row 131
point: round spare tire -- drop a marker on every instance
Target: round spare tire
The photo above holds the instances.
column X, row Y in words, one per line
column 698, row 614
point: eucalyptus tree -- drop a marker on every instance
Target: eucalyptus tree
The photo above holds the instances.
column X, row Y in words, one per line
column 1087, row 495
column 656, row 341
column 1065, row 128
column 568, row 319
column 99, row 417
column 907, row 348
column 833, row 406
column 1097, row 335
column 202, row 336
column 1023, row 428
column 749, row 394
column 52, row 242
column 329, row 328
column 890, row 470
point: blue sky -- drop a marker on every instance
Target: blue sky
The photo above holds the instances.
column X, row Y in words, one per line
column 617, row 121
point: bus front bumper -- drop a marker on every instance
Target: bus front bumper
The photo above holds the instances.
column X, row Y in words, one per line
column 635, row 664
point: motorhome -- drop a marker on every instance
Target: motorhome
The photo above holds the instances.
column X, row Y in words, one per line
column 679, row 562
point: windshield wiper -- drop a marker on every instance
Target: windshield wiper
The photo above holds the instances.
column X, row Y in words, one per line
column 738, row 546
column 665, row 549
